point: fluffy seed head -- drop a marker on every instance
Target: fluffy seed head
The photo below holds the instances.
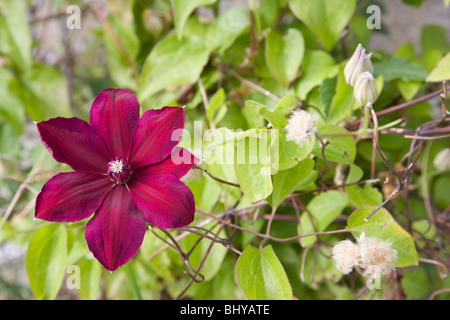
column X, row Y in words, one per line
column 301, row 125
column 372, row 256
column 346, row 256
column 376, row 257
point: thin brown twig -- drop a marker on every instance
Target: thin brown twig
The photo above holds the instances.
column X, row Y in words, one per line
column 254, row 86
column 401, row 106
column 392, row 171
column 215, row 178
column 269, row 237
column 435, row 293
column 325, row 170
column 116, row 38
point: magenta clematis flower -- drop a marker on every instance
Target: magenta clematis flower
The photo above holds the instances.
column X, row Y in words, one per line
column 123, row 172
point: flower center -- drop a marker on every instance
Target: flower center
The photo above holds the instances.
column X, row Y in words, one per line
column 119, row 171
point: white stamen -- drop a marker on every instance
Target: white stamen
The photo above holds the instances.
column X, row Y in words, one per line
column 116, row 166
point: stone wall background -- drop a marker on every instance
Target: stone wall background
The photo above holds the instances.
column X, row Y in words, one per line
column 405, row 23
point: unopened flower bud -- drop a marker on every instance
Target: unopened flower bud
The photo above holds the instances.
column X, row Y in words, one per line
column 301, row 125
column 358, row 63
column 442, row 160
column 366, row 90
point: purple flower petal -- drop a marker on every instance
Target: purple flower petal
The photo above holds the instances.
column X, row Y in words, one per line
column 164, row 200
column 155, row 136
column 74, row 142
column 71, row 196
column 178, row 164
column 115, row 113
column 117, row 230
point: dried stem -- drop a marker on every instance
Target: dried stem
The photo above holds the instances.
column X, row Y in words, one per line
column 266, row 236
column 401, row 106
column 392, row 171
column 254, row 86
column 215, row 178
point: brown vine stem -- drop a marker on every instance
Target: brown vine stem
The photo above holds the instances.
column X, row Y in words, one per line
column 205, row 101
column 443, row 274
column 254, row 86
column 200, row 265
column 427, row 138
column 444, row 97
column 269, row 224
column 34, row 171
column 325, row 170
column 269, row 237
column 185, row 258
column 435, row 293
column 401, row 106
column 392, row 171
column 215, row 178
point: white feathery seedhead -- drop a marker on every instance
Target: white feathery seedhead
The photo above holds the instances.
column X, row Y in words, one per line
column 376, row 256
column 345, row 256
column 301, row 125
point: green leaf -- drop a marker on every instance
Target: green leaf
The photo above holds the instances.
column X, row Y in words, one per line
column 383, row 226
column 285, row 105
column 173, row 62
column 253, row 113
column 434, row 37
column 284, row 182
column 227, row 28
column 442, row 70
column 182, row 9
column 284, row 54
column 206, row 193
column 43, row 91
column 216, row 107
column 46, row 261
column 220, row 163
column 11, row 108
column 118, row 65
column 343, row 101
column 323, row 209
column 252, row 164
column 325, row 18
column 319, row 269
column 340, row 149
column 355, row 174
column 317, row 66
column 364, row 195
column 90, row 272
column 15, row 32
column 286, row 154
column 261, row 276
column 399, row 68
